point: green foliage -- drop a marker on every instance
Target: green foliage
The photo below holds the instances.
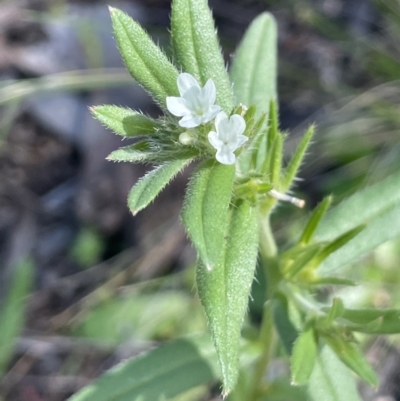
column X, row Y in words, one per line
column 206, row 209
column 224, row 289
column 314, row 220
column 297, row 158
column 196, row 47
column 377, row 206
column 351, row 356
column 125, row 122
column 303, row 357
column 330, row 379
column 253, row 70
column 147, row 64
column 226, row 215
column 13, row 311
column 149, row 186
column 162, row 373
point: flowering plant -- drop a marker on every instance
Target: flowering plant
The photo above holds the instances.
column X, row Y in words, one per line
column 228, row 125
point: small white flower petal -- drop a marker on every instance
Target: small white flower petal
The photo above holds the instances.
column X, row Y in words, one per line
column 237, row 124
column 188, row 121
column 214, row 140
column 196, row 104
column 221, row 116
column 209, row 92
column 185, row 82
column 241, row 139
column 177, row 106
column 210, row 115
column 225, row 155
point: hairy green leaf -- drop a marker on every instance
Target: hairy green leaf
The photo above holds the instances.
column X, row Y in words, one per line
column 206, row 209
column 253, row 71
column 143, row 58
column 314, row 221
column 224, row 290
column 351, row 356
column 331, row 380
column 303, row 357
column 196, row 47
column 123, row 121
column 297, row 158
column 162, row 373
column 150, row 185
column 137, row 153
column 286, row 330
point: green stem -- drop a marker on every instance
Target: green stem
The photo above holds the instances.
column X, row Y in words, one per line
column 268, row 252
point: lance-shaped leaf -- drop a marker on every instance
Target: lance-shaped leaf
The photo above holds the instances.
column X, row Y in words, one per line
column 253, row 71
column 143, row 58
column 303, row 357
column 224, row 290
column 297, row 158
column 206, row 209
column 378, row 206
column 150, row 185
column 196, row 47
column 284, row 326
column 123, row 121
column 331, row 380
column 372, row 321
column 136, row 153
column 162, row 373
column 314, row 221
column 351, row 356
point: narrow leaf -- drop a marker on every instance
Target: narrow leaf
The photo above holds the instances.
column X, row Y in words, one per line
column 314, row 221
column 286, row 330
column 162, row 373
column 380, row 228
column 363, row 207
column 335, row 311
column 143, row 58
column 253, row 71
column 206, row 208
column 125, row 122
column 373, row 321
column 338, row 243
column 332, row 281
column 297, row 158
column 303, row 357
column 351, row 356
column 149, row 186
column 196, row 47
column 302, row 260
column 331, row 380
column 136, row 153
column 13, row 311
column 276, row 154
column 224, row 290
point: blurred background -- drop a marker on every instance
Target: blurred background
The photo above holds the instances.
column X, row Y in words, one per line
column 101, row 285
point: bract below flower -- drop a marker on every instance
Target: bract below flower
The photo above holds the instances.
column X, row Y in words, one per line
column 229, row 136
column 196, row 104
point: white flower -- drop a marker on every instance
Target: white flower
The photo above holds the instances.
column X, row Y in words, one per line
column 196, row 104
column 229, row 136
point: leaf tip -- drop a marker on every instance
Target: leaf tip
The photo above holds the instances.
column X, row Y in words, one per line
column 111, row 9
column 224, row 394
